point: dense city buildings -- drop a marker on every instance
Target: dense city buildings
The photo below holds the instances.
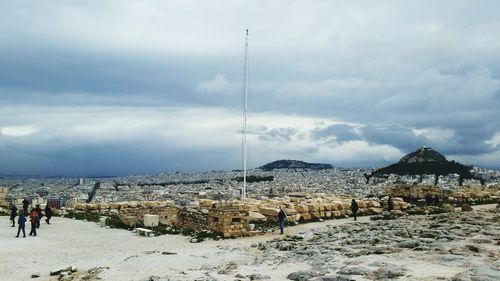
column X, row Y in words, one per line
column 185, row 188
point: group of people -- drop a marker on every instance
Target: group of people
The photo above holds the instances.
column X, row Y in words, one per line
column 35, row 215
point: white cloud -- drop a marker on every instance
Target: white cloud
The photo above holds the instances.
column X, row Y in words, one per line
column 18, row 131
column 218, row 84
column 435, row 136
column 494, row 141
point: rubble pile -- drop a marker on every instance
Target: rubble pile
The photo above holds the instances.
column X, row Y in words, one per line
column 131, row 212
column 462, row 194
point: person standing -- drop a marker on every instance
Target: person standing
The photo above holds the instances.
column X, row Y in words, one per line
column 436, row 200
column 48, row 213
column 39, row 215
column 13, row 214
column 21, row 222
column 428, row 199
column 26, row 203
column 390, row 204
column 281, row 219
column 33, row 218
column 354, row 209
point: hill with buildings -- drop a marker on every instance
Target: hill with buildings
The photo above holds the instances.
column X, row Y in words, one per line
column 294, row 164
column 425, row 161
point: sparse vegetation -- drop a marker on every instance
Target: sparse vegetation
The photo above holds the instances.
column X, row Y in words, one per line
column 82, row 216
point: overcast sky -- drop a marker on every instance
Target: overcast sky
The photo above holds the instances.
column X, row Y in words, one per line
column 134, row 87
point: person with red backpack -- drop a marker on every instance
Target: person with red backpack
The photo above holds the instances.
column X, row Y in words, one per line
column 33, row 220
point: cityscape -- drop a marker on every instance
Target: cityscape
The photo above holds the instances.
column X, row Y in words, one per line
column 190, row 140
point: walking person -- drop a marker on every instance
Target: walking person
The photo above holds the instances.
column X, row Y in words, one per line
column 48, row 213
column 39, row 216
column 428, row 199
column 436, row 200
column 13, row 214
column 26, row 203
column 281, row 220
column 390, row 204
column 21, row 222
column 354, row 209
column 33, row 219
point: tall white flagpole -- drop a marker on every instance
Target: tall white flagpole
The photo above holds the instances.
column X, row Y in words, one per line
column 246, row 88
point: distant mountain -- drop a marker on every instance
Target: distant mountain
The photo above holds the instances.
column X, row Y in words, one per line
column 425, row 161
column 294, row 164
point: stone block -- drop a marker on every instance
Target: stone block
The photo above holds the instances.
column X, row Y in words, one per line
column 373, row 204
column 361, row 204
column 374, row 211
column 337, row 214
column 305, row 216
column 269, row 212
column 151, row 220
column 312, row 207
column 255, row 216
column 301, row 208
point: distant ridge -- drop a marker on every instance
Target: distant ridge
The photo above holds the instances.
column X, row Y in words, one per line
column 294, row 164
column 425, row 161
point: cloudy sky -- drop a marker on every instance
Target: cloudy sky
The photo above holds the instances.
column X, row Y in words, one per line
column 132, row 87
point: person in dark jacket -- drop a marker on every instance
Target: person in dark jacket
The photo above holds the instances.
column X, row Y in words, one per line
column 436, row 200
column 33, row 219
column 48, row 213
column 390, row 204
column 21, row 222
column 428, row 199
column 13, row 214
column 354, row 209
column 39, row 215
column 281, row 219
column 26, row 203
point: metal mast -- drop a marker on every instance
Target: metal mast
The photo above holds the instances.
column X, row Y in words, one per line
column 246, row 90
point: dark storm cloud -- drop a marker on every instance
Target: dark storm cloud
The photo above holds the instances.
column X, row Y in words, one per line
column 278, row 134
column 61, row 78
column 397, row 136
column 407, row 74
column 471, row 140
column 110, row 159
column 341, row 132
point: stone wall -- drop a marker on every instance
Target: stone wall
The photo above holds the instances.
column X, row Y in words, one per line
column 306, row 209
column 463, row 194
column 233, row 219
column 194, row 219
column 3, row 194
column 166, row 210
column 229, row 220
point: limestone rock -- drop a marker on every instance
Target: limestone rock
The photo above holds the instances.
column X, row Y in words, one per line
column 466, row 208
column 302, row 275
column 256, row 217
column 480, row 273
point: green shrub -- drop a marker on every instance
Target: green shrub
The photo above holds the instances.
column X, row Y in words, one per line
column 82, row 216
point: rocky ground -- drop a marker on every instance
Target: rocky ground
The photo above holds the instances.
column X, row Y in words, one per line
column 451, row 246
column 456, row 246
